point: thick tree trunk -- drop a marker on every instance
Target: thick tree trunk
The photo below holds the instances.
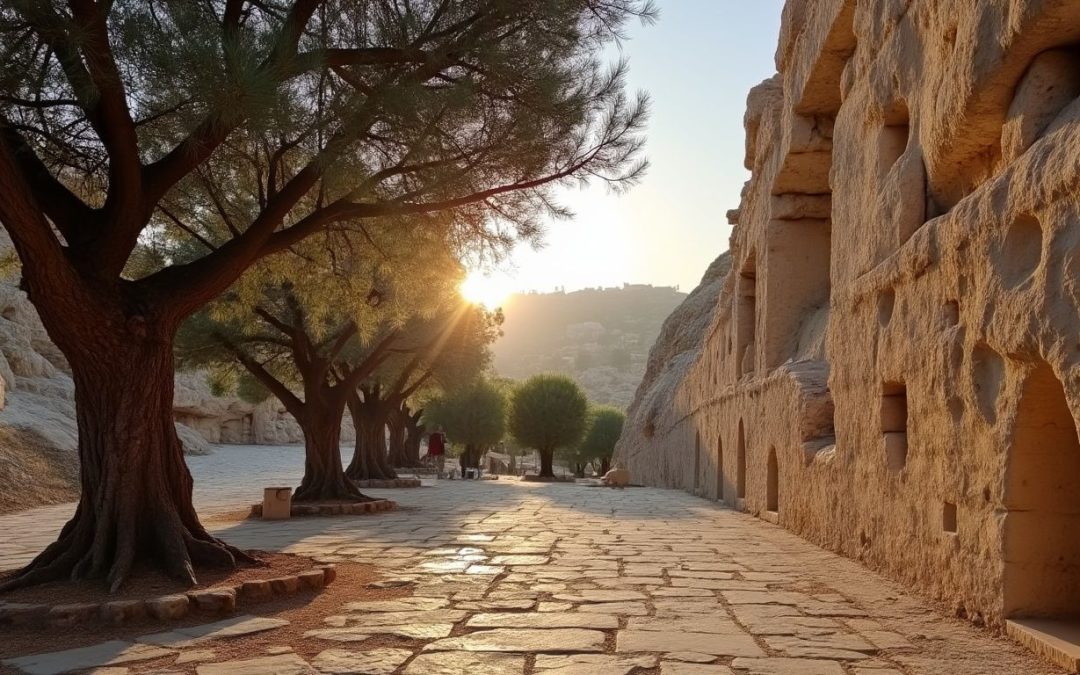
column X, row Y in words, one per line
column 395, row 425
column 324, row 478
column 404, row 451
column 136, row 501
column 605, row 465
column 370, row 461
column 546, row 458
column 414, row 434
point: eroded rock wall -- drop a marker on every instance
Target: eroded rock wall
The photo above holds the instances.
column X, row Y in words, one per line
column 892, row 367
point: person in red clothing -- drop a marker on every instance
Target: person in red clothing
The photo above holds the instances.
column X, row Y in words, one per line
column 436, row 447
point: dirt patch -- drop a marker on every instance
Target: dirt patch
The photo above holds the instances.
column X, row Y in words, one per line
column 34, row 472
column 146, row 582
column 304, row 611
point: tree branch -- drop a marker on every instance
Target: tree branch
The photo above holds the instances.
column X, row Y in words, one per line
column 290, row 400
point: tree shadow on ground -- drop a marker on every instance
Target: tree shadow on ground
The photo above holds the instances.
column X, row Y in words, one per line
column 470, row 507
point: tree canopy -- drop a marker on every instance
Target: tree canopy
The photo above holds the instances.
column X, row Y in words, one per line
column 548, row 412
column 605, row 427
column 473, row 414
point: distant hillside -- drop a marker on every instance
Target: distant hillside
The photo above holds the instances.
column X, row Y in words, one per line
column 601, row 337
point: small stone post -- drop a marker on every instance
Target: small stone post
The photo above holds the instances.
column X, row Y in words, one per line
column 277, row 503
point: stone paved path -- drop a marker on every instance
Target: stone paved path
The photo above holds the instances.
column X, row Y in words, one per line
column 562, row 579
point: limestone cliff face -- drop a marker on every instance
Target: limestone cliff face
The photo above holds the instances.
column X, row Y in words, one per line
column 675, row 351
column 892, row 367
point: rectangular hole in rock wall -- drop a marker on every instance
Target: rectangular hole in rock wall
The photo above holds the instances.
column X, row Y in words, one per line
column 894, row 424
column 902, row 180
column 948, row 517
column 796, row 290
column 746, row 318
column 891, row 145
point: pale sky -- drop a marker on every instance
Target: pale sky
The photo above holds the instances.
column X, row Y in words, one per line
column 697, row 63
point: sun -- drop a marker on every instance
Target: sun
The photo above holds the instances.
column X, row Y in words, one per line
column 485, row 289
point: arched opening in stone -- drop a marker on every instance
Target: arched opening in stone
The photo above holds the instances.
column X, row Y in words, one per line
column 697, row 461
column 740, row 466
column 1042, row 499
column 719, row 469
column 772, row 485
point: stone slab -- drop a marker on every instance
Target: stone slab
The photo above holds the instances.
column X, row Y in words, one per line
column 617, row 608
column 782, row 666
column 556, row 640
column 602, row 596
column 683, row 668
column 419, row 631
column 409, row 604
column 696, row 624
column 403, row 618
column 473, row 663
column 543, row 620
column 591, row 664
column 1057, row 641
column 109, row 653
column 672, row 641
column 281, row 664
column 367, row 662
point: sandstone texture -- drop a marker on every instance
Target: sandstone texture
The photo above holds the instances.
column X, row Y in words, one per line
column 887, row 361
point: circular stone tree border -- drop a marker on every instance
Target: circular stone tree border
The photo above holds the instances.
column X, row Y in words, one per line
column 387, row 483
column 217, row 600
column 333, row 509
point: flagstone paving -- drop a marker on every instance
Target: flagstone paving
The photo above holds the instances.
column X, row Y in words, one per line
column 519, row 578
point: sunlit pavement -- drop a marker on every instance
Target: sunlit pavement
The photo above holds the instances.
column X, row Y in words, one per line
column 571, row 579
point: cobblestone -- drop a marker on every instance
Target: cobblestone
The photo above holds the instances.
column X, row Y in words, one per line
column 512, row 577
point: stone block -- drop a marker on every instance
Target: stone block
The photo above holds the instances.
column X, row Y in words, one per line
column 285, row 585
column 122, row 611
column 214, row 600
column 312, row 579
column 22, row 614
column 168, row 607
column 256, row 590
column 277, row 503
column 72, row 614
column 329, row 574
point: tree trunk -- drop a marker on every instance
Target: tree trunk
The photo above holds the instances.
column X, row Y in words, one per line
column 396, row 427
column 324, row 479
column 369, row 460
column 546, row 457
column 605, row 465
column 579, row 470
column 512, row 468
column 136, row 501
column 414, row 434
